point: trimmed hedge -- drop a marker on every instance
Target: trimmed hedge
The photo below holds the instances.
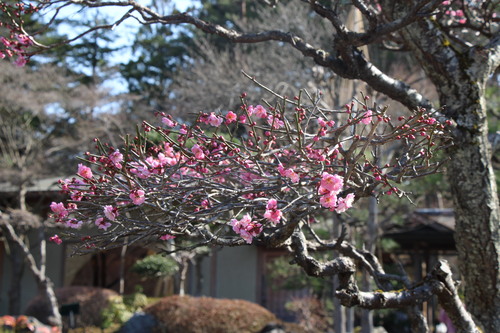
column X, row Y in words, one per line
column 186, row 314
column 92, row 300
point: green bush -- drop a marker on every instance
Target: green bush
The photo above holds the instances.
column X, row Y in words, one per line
column 121, row 309
column 155, row 265
column 117, row 312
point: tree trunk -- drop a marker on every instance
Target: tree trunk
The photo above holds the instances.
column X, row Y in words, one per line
column 370, row 241
column 16, row 257
column 477, row 224
column 460, row 75
column 123, row 254
column 44, row 283
column 183, row 268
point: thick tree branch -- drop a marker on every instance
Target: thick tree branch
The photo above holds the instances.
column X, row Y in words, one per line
column 448, row 298
column 375, row 32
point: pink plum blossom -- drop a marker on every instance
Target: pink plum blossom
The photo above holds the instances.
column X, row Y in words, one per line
column 74, row 223
column 116, row 158
column 137, row 197
column 23, row 39
column 331, row 183
column 110, row 212
column 56, row 239
column 272, row 213
column 231, row 117
column 289, row 173
column 140, row 170
column 59, row 209
column 260, row 111
column 324, row 123
column 167, row 237
column 246, row 228
column 344, row 204
column 328, row 201
column 214, row 120
column 250, row 110
column 103, row 224
column 84, row 171
column 198, row 152
column 367, row 117
column 275, row 122
column 168, row 122
column 20, row 61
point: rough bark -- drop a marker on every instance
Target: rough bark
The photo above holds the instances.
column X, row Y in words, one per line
column 460, row 76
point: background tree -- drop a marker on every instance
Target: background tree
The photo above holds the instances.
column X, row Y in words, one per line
column 41, row 129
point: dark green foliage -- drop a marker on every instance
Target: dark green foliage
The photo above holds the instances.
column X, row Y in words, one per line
column 155, row 265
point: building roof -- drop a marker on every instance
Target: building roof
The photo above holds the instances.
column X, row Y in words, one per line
column 425, row 229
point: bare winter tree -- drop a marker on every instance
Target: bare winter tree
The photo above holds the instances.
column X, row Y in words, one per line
column 457, row 45
column 42, row 122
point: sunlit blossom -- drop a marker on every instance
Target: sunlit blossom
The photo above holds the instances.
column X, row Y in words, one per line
column 246, row 228
column 275, row 122
column 214, row 120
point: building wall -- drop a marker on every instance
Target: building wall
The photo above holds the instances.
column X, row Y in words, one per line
column 231, row 272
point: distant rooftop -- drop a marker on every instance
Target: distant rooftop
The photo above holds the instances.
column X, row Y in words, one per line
column 40, row 185
column 425, row 229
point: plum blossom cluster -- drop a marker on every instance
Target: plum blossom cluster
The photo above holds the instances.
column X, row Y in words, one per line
column 329, row 189
column 16, row 44
column 232, row 175
column 246, row 228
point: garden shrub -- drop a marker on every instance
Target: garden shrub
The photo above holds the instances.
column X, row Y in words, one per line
column 186, row 314
column 92, row 300
column 121, row 309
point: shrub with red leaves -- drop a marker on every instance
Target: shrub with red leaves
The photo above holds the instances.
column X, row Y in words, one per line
column 185, row 314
